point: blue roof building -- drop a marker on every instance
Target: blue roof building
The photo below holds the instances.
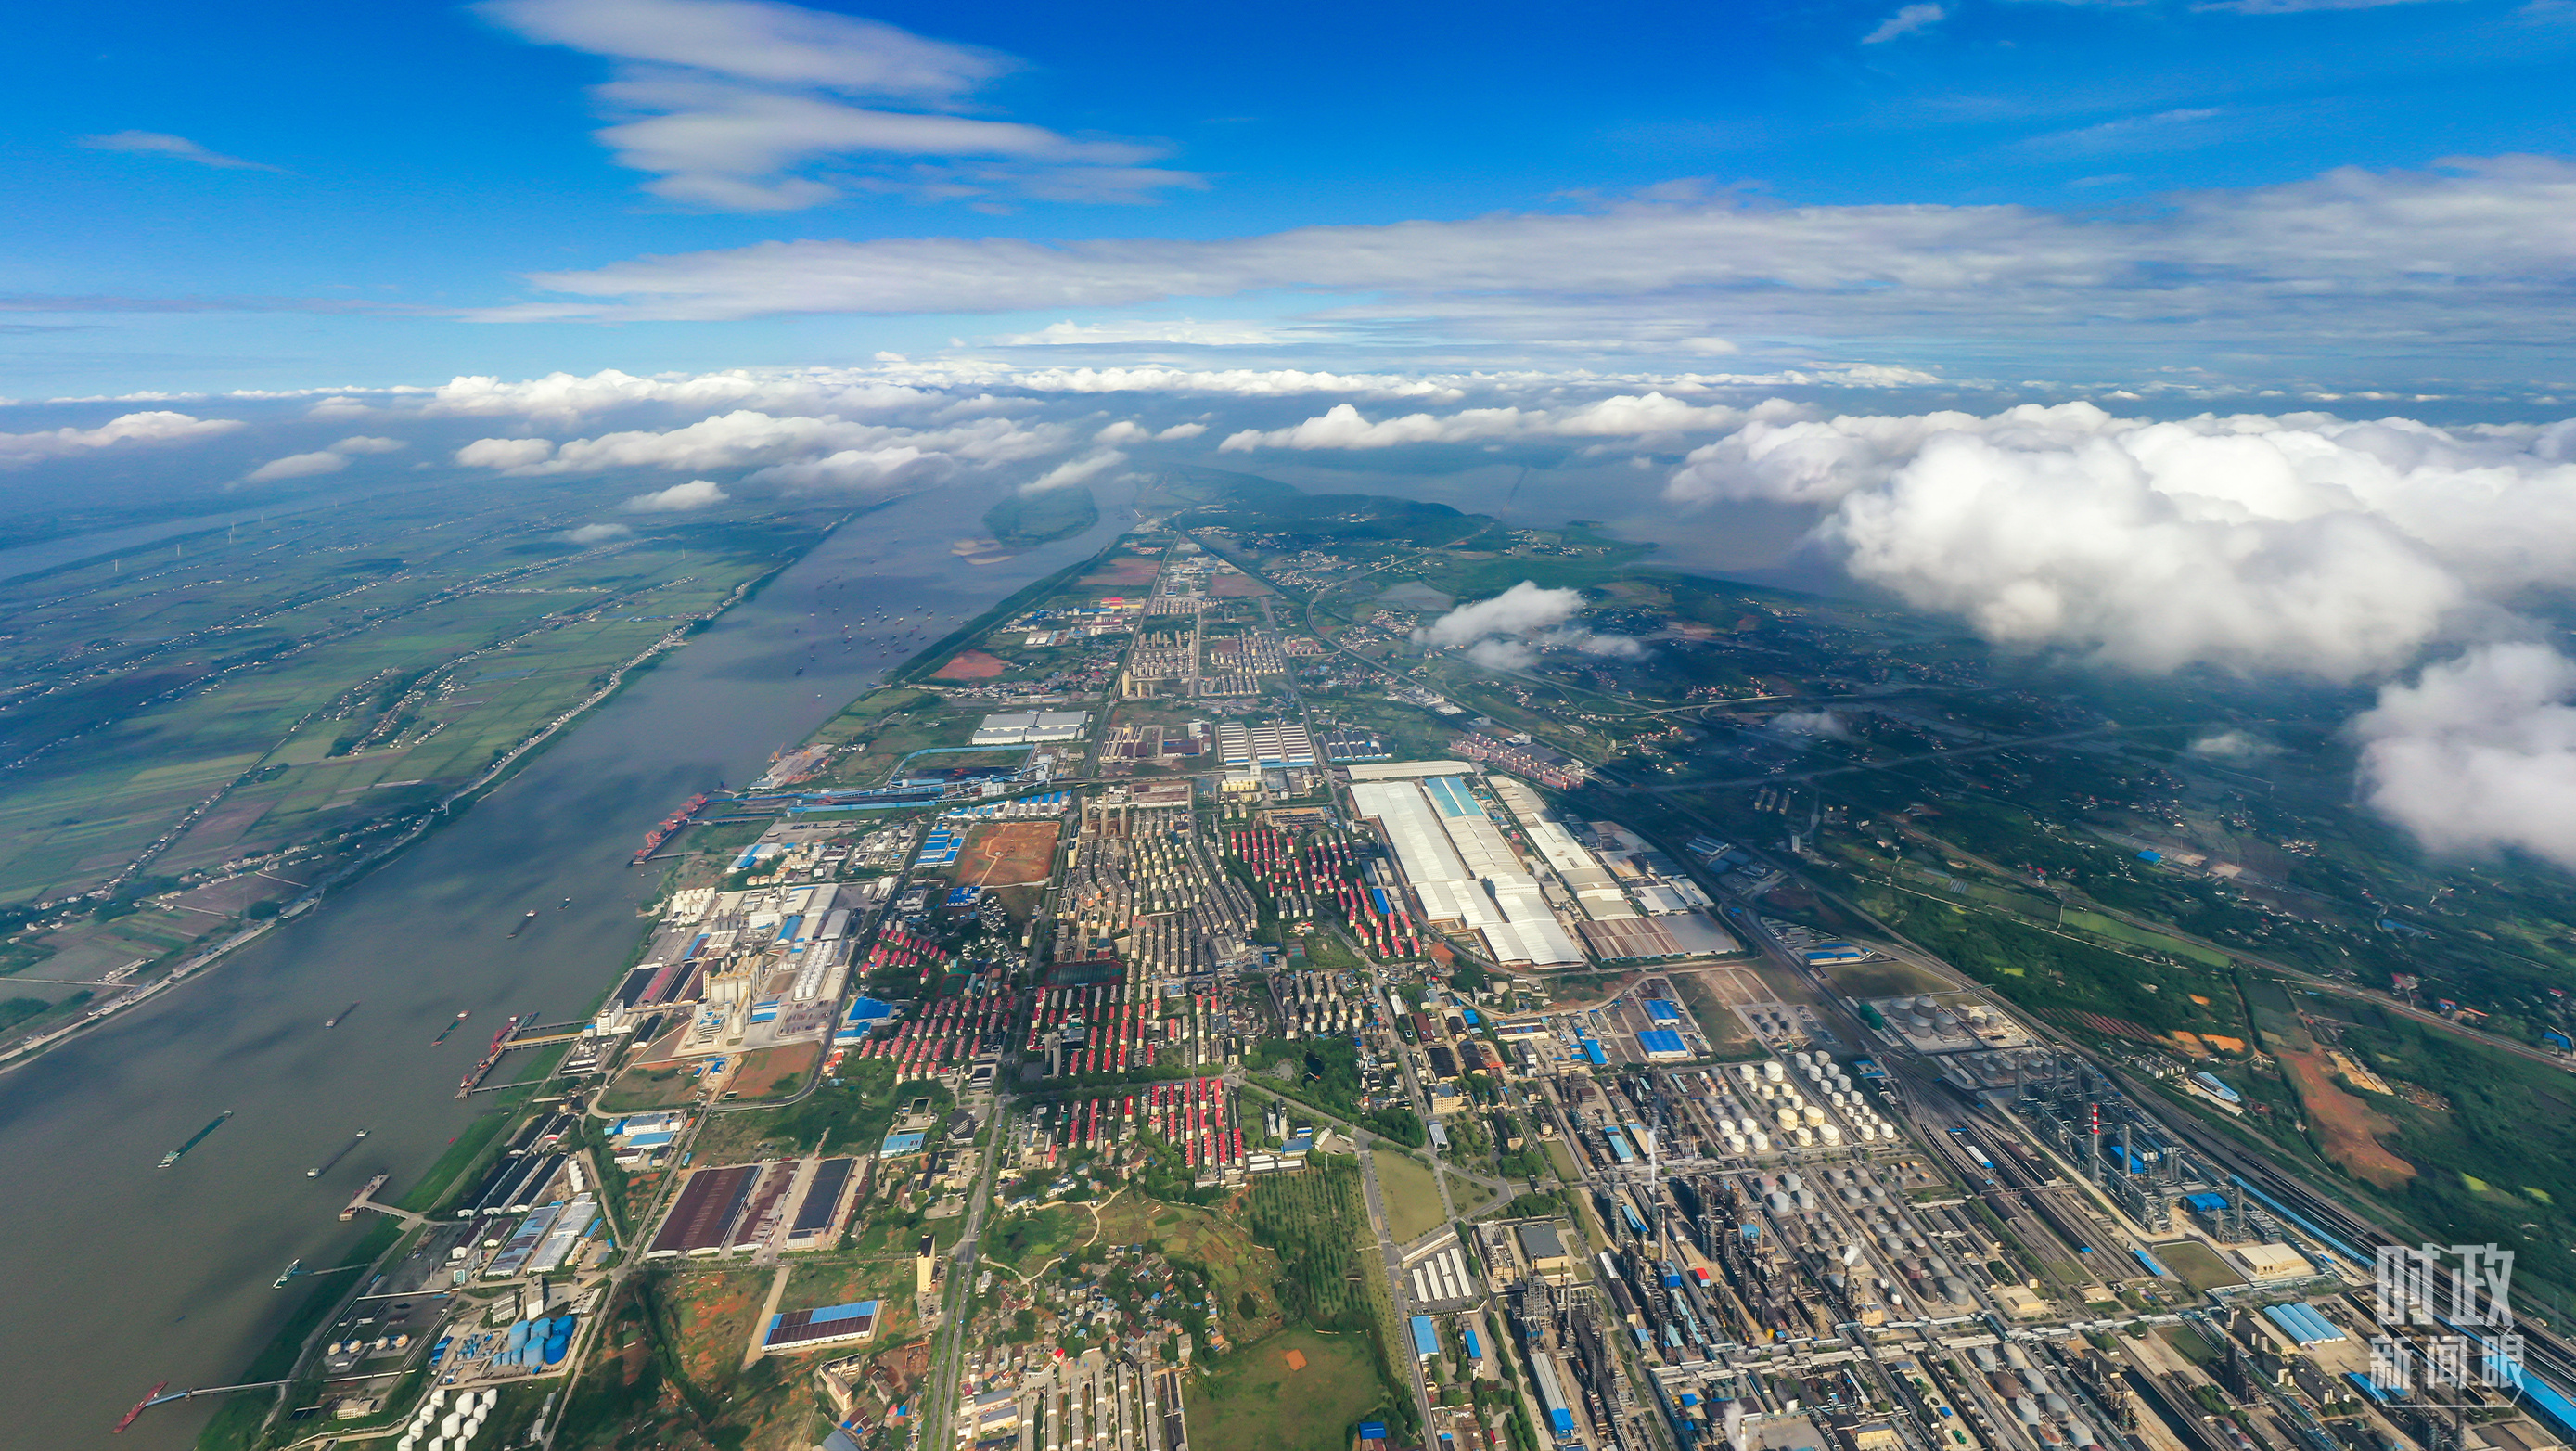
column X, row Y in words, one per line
column 1426, row 1337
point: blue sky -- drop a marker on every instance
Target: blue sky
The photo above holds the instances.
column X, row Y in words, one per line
column 2155, row 335
column 405, row 170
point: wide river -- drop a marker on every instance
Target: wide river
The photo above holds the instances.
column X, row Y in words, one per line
column 118, row 1275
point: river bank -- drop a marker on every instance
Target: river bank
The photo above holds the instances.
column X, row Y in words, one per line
column 128, row 1275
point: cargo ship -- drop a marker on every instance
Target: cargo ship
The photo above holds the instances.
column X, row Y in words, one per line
column 337, row 1018
column 523, row 924
column 362, row 1196
column 450, row 1028
column 172, row 1157
column 140, row 1407
column 670, row 823
column 284, row 1275
column 326, row 1165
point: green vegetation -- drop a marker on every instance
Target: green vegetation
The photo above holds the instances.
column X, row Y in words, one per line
column 1254, row 1401
column 1411, row 1195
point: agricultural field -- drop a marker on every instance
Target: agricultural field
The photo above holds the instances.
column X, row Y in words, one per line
column 189, row 738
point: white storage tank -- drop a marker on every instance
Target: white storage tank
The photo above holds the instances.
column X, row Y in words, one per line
column 1773, row 1071
column 1803, row 1138
column 1813, row 1115
column 1830, row 1134
column 1791, row 1182
column 1788, row 1118
column 1736, row 1143
column 1761, row 1142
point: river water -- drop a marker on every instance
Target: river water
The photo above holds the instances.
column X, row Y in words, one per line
column 115, row 1275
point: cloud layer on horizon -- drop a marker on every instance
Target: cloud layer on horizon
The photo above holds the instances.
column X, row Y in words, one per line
column 2475, row 251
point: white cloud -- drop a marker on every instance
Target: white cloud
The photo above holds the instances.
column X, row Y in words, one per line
column 1187, row 332
column 158, row 427
column 2301, row 542
column 2297, row 7
column 2407, row 262
column 730, row 103
column 1179, row 432
column 1905, row 21
column 298, row 466
column 695, row 494
column 1812, row 723
column 2479, row 753
column 567, row 397
column 177, row 148
column 1125, row 430
column 1508, row 631
column 2233, row 745
column 1523, row 609
column 1075, row 471
column 1343, row 426
column 597, row 533
column 511, row 455
column 364, row 444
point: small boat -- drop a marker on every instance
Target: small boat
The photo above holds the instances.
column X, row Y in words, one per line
column 567, row 902
column 523, row 924
column 337, row 1018
column 290, row 1272
column 450, row 1028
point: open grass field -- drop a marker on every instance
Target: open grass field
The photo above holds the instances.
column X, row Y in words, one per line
column 1255, row 1400
column 2197, row 1264
column 1412, row 1197
column 2119, row 931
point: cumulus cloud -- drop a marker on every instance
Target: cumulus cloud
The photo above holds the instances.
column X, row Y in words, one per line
column 1181, row 431
column 1826, row 723
column 322, row 461
column 731, row 104
column 510, row 455
column 1125, row 430
column 2407, row 261
column 2232, row 745
column 695, row 494
column 1508, row 631
column 2299, row 542
column 2479, row 753
column 1905, row 21
column 1075, row 471
column 298, row 466
column 597, row 533
column 1343, row 427
column 567, row 398
column 133, row 428
column 176, row 148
